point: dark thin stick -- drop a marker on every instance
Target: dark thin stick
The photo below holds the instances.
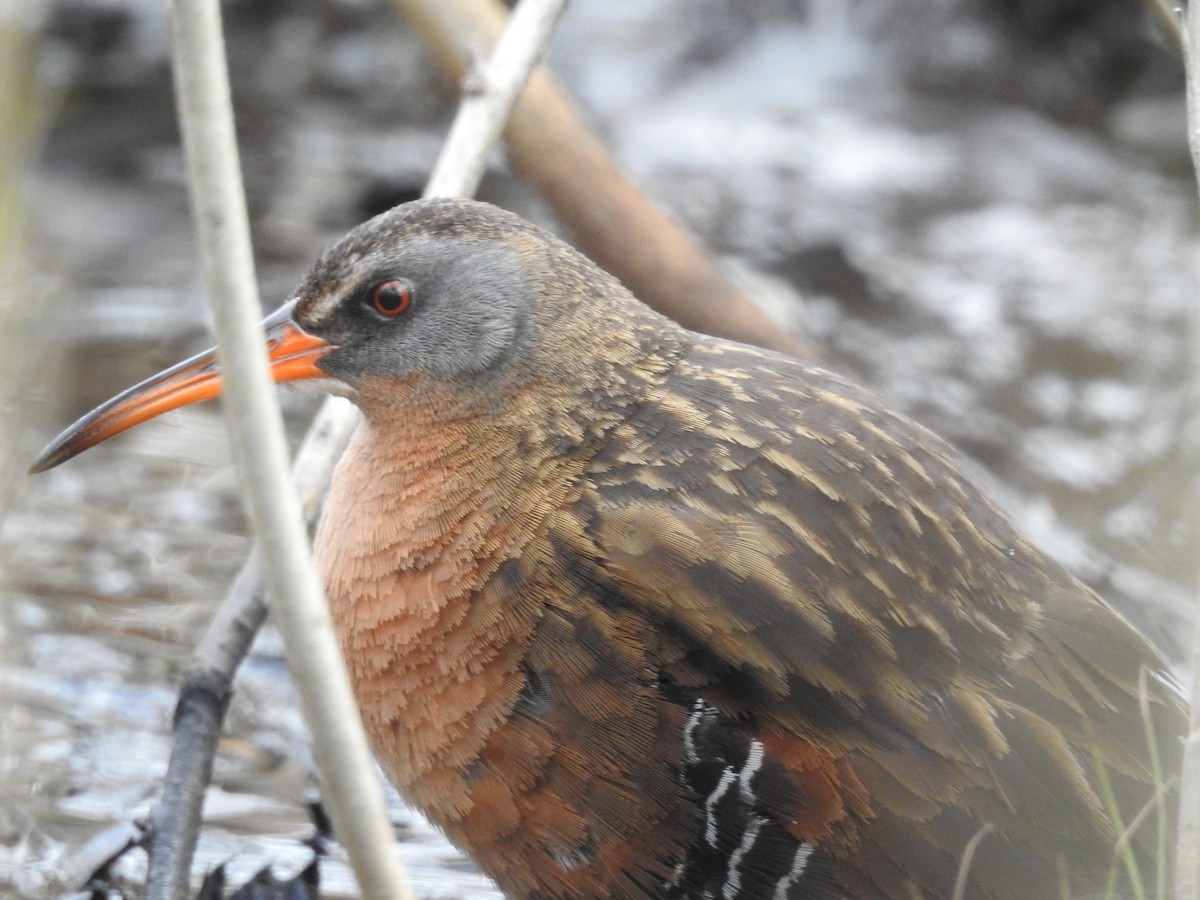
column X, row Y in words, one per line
column 174, row 823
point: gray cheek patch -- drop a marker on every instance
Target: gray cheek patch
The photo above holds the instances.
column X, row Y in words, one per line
column 475, row 301
column 472, row 311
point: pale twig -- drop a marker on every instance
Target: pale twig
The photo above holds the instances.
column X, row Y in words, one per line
column 493, row 91
column 227, row 639
column 350, row 787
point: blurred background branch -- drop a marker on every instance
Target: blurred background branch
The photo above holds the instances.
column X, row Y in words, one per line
column 352, row 790
column 1187, row 855
column 613, row 221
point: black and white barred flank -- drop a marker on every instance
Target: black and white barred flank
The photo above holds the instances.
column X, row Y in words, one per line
column 743, row 852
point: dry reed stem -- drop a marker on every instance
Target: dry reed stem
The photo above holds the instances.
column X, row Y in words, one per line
column 350, row 785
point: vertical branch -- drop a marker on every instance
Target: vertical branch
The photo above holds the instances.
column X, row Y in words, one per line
column 351, row 789
column 1187, row 854
column 175, row 821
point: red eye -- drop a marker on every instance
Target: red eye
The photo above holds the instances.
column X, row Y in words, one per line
column 391, row 298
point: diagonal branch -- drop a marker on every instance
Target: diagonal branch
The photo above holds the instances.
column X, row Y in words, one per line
column 613, row 222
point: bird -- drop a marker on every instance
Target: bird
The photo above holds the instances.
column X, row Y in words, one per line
column 634, row 612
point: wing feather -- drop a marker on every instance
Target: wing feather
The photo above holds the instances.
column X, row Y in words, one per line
column 820, row 569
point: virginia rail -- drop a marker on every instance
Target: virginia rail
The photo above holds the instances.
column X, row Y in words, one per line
column 632, row 612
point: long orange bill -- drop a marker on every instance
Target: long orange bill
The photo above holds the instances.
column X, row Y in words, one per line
column 293, row 355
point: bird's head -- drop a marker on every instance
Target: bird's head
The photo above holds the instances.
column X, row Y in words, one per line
column 440, row 290
column 430, row 292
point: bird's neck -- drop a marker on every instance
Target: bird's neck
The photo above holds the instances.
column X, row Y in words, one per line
column 418, row 504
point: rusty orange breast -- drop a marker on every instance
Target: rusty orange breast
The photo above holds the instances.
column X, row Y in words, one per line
column 412, row 544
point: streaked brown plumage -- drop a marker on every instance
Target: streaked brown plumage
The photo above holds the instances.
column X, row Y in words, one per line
column 637, row 613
